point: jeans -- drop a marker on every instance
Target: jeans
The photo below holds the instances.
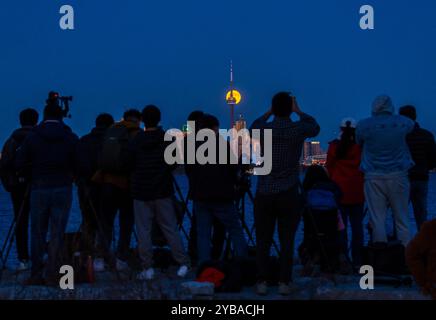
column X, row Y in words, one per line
column 164, row 212
column 284, row 208
column 89, row 201
column 49, row 209
column 20, row 203
column 418, row 197
column 218, row 238
column 113, row 200
column 226, row 213
column 354, row 214
column 381, row 193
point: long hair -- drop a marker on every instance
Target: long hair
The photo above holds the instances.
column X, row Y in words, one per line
column 347, row 140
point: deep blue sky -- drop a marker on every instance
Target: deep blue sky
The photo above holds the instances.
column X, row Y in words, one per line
column 175, row 54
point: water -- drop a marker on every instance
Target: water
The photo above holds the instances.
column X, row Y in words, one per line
column 6, row 214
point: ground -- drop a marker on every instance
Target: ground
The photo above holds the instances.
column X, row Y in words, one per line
column 167, row 286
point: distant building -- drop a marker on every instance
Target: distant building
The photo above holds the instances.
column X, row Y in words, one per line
column 313, row 154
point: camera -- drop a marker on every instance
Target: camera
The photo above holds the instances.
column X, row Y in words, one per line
column 55, row 99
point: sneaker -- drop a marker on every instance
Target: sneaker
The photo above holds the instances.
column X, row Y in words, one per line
column 23, row 265
column 262, row 288
column 146, row 274
column 99, row 265
column 122, row 265
column 183, row 270
column 284, row 289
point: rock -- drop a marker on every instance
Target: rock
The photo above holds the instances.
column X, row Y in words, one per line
column 195, row 288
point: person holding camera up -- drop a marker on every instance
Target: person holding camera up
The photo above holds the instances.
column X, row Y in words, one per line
column 278, row 197
column 18, row 185
column 49, row 151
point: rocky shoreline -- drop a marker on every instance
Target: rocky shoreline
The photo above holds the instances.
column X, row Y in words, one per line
column 167, row 286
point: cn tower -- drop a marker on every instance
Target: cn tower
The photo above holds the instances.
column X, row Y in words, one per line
column 233, row 97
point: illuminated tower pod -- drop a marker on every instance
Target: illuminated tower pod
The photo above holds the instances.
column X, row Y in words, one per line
column 233, row 97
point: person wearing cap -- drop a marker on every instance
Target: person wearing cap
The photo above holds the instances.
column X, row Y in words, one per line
column 343, row 165
column 386, row 161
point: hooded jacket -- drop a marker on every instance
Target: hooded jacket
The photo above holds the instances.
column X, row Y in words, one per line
column 383, row 141
column 151, row 177
column 50, row 151
column 8, row 156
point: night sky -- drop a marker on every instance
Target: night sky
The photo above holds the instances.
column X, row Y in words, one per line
column 175, row 54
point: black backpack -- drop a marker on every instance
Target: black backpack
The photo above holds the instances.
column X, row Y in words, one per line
column 115, row 145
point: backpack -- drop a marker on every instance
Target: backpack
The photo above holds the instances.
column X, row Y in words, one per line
column 115, row 144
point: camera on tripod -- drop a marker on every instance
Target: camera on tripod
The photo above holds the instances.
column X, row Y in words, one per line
column 61, row 101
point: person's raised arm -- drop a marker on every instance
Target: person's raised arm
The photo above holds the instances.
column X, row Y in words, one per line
column 260, row 123
column 310, row 127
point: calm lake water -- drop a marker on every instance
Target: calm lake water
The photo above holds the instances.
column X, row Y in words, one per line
column 75, row 219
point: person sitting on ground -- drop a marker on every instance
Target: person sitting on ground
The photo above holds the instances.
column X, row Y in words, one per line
column 343, row 164
column 50, row 150
column 113, row 178
column 213, row 193
column 386, row 161
column 18, row 186
column 88, row 151
column 422, row 147
column 323, row 244
column 277, row 196
column 421, row 258
column 152, row 191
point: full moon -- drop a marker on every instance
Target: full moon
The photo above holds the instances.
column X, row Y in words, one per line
column 236, row 95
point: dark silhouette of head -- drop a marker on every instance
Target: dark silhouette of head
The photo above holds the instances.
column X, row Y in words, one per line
column 282, row 105
column 29, row 117
column 315, row 174
column 132, row 115
column 209, row 121
column 104, row 121
column 195, row 115
column 151, row 116
column 409, row 112
column 53, row 112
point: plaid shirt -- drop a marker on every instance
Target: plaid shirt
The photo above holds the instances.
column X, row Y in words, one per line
column 287, row 143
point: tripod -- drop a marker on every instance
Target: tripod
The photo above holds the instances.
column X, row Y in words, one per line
column 9, row 241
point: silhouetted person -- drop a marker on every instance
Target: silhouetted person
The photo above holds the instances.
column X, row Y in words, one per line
column 278, row 199
column 343, row 164
column 50, row 151
column 219, row 234
column 422, row 147
column 113, row 176
column 213, row 188
column 152, row 190
column 385, row 163
column 88, row 151
column 17, row 184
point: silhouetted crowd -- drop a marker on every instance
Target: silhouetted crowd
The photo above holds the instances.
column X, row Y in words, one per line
column 375, row 167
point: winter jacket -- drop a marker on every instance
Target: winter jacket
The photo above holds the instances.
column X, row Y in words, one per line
column 120, row 180
column 50, row 150
column 213, row 182
column 150, row 177
column 88, row 151
column 383, row 141
column 423, row 150
column 421, row 258
column 346, row 173
column 9, row 175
